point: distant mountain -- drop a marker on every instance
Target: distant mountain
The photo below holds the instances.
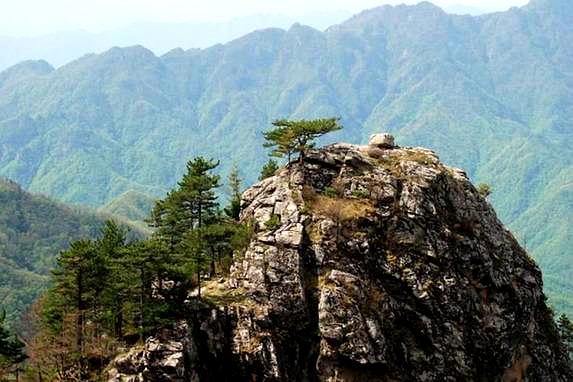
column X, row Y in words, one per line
column 62, row 47
column 492, row 94
column 460, row 9
column 132, row 206
column 33, row 230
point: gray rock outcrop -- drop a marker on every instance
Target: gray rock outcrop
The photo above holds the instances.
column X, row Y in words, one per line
column 382, row 140
column 402, row 273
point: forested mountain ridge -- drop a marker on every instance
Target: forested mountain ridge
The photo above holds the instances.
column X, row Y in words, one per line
column 132, row 206
column 62, row 47
column 33, row 230
column 492, row 94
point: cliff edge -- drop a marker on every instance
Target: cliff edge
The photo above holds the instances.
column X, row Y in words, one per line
column 370, row 263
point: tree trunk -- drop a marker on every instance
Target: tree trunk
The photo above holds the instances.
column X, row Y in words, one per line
column 141, row 307
column 198, row 283
column 79, row 318
column 200, row 215
column 212, row 264
column 119, row 322
column 80, row 321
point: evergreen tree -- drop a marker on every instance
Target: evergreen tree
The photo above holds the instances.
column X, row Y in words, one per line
column 269, row 169
column 233, row 210
column 565, row 327
column 166, row 220
column 107, row 279
column 193, row 203
column 217, row 242
column 281, row 140
column 484, row 190
column 73, row 276
column 196, row 196
column 11, row 348
column 297, row 136
column 194, row 250
column 142, row 265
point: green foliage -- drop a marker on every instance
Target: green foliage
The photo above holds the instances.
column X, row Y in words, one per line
column 331, row 192
column 297, row 136
column 109, row 288
column 565, row 327
column 33, row 229
column 269, row 169
column 11, row 348
column 233, row 210
column 273, row 223
column 484, row 190
column 360, row 194
column 192, row 204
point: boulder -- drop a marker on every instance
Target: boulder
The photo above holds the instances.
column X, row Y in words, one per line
column 382, row 140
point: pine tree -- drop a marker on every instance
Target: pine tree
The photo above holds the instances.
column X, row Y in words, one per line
column 269, row 169
column 297, row 136
column 108, row 282
column 194, row 250
column 217, row 242
column 166, row 221
column 193, row 203
column 281, row 140
column 565, row 327
column 233, row 210
column 142, row 265
column 11, row 348
column 73, row 276
column 196, row 196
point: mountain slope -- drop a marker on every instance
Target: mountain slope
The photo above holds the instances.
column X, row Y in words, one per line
column 132, row 206
column 493, row 94
column 33, row 230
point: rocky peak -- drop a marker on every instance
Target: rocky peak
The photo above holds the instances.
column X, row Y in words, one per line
column 370, row 263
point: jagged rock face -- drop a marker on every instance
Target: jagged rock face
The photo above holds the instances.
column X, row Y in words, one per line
column 375, row 264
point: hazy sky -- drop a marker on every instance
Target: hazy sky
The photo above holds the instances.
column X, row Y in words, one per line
column 35, row 17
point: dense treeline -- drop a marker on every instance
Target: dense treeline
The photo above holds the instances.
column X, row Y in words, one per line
column 34, row 228
column 11, row 349
column 112, row 290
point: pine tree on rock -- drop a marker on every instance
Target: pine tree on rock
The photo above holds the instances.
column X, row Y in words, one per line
column 269, row 169
column 166, row 220
column 233, row 210
column 297, row 136
column 194, row 249
column 565, row 327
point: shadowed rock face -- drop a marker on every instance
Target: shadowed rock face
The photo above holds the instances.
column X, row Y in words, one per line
column 386, row 266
